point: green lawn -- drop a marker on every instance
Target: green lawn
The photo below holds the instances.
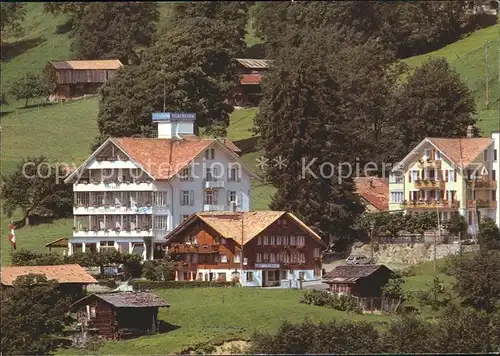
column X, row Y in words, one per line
column 206, row 315
column 424, row 275
column 467, row 56
column 37, row 46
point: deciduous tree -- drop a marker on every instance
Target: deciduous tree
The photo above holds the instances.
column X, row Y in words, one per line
column 12, row 14
column 37, row 188
column 33, row 315
column 29, row 86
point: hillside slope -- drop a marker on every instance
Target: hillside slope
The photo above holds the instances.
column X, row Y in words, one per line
column 468, row 57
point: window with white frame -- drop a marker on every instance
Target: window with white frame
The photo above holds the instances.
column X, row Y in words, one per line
column 301, row 240
column 397, row 197
column 278, row 240
column 272, row 240
column 295, row 257
column 187, row 197
column 209, row 197
column 293, row 241
column 237, row 258
column 160, row 198
column 285, row 240
column 259, row 257
column 316, row 252
column 160, row 222
column 185, row 174
column 414, row 175
column 245, row 261
column 107, row 245
column 82, row 198
column 265, row 256
column 233, row 174
column 302, row 258
column 249, row 276
column 259, row 240
column 223, row 258
column 265, row 240
column 231, row 196
column 272, row 257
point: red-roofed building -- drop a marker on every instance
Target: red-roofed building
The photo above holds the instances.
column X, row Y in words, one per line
column 251, row 72
column 458, row 175
column 374, row 193
column 132, row 191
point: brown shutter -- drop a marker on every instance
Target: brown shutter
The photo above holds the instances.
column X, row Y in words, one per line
column 455, row 175
column 409, row 176
column 445, row 173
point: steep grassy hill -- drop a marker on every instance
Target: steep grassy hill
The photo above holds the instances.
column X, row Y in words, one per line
column 468, row 57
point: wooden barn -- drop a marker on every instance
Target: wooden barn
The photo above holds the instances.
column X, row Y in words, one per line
column 119, row 315
column 72, row 279
column 251, row 72
column 72, row 79
column 364, row 281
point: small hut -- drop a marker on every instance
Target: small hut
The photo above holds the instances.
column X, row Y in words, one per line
column 120, row 314
column 72, row 79
column 358, row 280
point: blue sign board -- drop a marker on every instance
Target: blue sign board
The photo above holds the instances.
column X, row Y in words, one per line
column 167, row 116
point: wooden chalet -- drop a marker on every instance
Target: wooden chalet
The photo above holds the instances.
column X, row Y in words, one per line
column 72, row 279
column 119, row 315
column 249, row 92
column 269, row 248
column 73, row 79
column 364, row 281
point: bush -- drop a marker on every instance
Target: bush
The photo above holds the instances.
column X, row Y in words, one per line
column 324, row 299
column 158, row 270
column 144, row 284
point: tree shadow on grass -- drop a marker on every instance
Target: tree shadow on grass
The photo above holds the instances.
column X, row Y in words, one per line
column 13, row 49
column 164, row 327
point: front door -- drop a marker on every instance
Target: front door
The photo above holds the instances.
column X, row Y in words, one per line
column 264, row 278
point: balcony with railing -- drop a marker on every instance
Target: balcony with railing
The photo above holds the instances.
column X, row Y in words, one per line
column 482, row 183
column 213, row 207
column 192, row 248
column 213, row 184
column 482, row 204
column 429, row 184
column 431, row 163
column 430, row 204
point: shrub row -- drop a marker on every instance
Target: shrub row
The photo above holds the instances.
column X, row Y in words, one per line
column 145, row 284
column 324, row 299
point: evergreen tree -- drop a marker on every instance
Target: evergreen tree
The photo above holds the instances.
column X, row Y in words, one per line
column 111, row 30
column 433, row 102
column 192, row 66
column 301, row 124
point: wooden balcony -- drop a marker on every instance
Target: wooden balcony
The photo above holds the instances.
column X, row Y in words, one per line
column 482, row 204
column 193, row 248
column 429, row 184
column 431, row 204
column 482, row 183
column 432, row 163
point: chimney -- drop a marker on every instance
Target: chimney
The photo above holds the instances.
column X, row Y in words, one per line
column 174, row 124
column 470, row 131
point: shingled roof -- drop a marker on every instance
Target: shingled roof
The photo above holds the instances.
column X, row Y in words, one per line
column 228, row 224
column 462, row 151
column 60, row 273
column 351, row 273
column 128, row 300
column 101, row 64
column 253, row 63
column 374, row 190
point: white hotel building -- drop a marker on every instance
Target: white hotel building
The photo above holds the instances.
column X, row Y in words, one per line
column 131, row 192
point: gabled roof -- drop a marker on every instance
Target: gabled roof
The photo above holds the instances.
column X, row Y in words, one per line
column 164, row 158
column 61, row 273
column 229, row 224
column 101, row 64
column 374, row 190
column 253, row 63
column 250, row 79
column 351, row 273
column 127, row 300
column 460, row 151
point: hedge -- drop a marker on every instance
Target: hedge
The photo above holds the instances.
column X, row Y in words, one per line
column 146, row 284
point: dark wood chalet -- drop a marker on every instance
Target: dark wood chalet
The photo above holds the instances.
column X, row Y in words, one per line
column 365, row 281
column 73, row 79
column 249, row 92
column 118, row 315
column 270, row 247
column 72, row 279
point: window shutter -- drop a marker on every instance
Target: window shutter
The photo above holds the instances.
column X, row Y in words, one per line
column 409, row 176
column 191, row 197
column 454, row 175
column 445, row 173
